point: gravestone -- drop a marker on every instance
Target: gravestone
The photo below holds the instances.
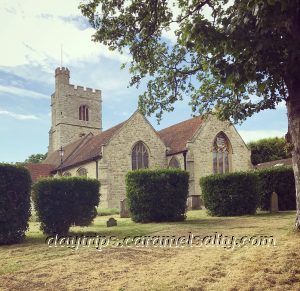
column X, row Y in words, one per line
column 111, row 222
column 194, row 202
column 124, row 211
column 274, row 202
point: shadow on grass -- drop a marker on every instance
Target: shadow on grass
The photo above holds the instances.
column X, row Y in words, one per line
column 126, row 227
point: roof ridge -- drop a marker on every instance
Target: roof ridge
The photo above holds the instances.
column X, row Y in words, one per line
column 90, row 143
column 79, row 146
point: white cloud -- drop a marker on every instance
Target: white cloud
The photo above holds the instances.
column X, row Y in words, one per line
column 22, row 92
column 32, row 34
column 253, row 135
column 18, row 116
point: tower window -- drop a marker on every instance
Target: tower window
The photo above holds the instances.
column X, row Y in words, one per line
column 84, row 113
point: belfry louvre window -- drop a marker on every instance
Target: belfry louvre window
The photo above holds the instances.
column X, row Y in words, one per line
column 221, row 154
column 139, row 156
column 84, row 113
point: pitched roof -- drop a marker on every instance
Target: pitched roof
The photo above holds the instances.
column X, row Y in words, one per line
column 176, row 136
column 39, row 170
column 88, row 147
column 85, row 149
column 277, row 163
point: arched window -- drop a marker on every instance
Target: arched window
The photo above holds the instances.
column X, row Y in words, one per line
column 82, row 172
column 174, row 163
column 67, row 174
column 221, row 154
column 139, row 156
column 84, row 113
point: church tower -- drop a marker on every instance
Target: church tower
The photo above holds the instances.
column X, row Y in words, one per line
column 76, row 111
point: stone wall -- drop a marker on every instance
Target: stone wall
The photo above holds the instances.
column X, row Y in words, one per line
column 200, row 152
column 179, row 158
column 91, row 168
column 116, row 156
column 65, row 102
column 116, row 160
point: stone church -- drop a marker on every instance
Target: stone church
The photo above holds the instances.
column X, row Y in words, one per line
column 79, row 147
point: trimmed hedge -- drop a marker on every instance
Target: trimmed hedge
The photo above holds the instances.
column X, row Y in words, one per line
column 15, row 183
column 230, row 194
column 280, row 180
column 62, row 202
column 157, row 195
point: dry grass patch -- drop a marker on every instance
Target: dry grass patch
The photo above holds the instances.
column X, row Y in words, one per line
column 34, row 266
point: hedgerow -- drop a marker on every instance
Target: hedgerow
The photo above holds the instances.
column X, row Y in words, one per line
column 157, row 195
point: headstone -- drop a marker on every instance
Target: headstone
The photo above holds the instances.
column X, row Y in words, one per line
column 274, row 202
column 111, row 222
column 194, row 202
column 124, row 211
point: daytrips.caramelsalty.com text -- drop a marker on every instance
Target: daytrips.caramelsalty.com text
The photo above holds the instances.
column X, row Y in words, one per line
column 99, row 242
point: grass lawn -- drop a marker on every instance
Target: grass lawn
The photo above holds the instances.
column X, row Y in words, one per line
column 34, row 266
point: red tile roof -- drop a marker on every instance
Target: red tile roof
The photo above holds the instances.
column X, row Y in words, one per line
column 39, row 170
column 88, row 148
column 83, row 150
column 176, row 136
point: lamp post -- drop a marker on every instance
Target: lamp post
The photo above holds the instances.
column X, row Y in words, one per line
column 61, row 154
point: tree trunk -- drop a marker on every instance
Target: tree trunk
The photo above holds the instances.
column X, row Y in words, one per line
column 293, row 108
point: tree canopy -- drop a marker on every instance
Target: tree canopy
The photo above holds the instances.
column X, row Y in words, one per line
column 36, row 158
column 233, row 57
column 269, row 149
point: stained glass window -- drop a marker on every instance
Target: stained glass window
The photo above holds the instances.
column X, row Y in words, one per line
column 221, row 154
column 139, row 156
column 174, row 163
column 82, row 172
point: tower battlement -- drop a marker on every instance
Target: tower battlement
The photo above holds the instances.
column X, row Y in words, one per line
column 85, row 89
column 62, row 76
column 61, row 70
column 76, row 111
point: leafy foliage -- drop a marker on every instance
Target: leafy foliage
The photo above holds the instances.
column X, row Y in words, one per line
column 15, row 183
column 36, row 158
column 61, row 202
column 230, row 194
column 157, row 195
column 233, row 58
column 269, row 149
column 222, row 53
column 32, row 159
column 280, row 180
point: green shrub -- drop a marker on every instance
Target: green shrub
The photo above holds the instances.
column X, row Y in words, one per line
column 269, row 149
column 61, row 202
column 157, row 195
column 230, row 194
column 15, row 183
column 280, row 180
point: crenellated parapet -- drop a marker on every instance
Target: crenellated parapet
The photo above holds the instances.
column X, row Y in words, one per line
column 69, row 121
column 81, row 89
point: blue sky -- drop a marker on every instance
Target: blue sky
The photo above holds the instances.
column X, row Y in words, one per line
column 31, row 36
